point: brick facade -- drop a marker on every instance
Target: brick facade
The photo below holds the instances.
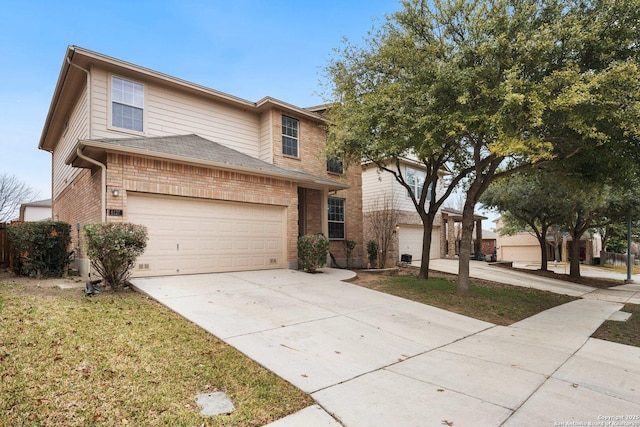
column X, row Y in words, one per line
column 254, row 129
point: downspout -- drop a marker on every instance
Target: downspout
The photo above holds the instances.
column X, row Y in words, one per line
column 79, row 151
column 104, row 180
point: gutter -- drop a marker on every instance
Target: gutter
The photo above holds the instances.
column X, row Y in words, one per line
column 287, row 175
column 104, row 180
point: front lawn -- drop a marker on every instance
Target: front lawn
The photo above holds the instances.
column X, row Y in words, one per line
column 622, row 332
column 493, row 302
column 122, row 359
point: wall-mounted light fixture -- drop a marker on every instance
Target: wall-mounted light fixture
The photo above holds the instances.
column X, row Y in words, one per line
column 396, row 228
column 115, row 192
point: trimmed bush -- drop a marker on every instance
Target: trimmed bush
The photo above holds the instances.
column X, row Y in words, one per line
column 113, row 249
column 40, row 249
column 312, row 252
column 349, row 246
column 372, row 252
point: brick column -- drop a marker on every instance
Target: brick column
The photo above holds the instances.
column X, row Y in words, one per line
column 451, row 237
column 478, row 246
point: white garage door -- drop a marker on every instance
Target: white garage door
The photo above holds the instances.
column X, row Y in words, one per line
column 410, row 242
column 519, row 253
column 188, row 236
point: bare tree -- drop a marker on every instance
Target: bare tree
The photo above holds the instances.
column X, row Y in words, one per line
column 380, row 222
column 13, row 192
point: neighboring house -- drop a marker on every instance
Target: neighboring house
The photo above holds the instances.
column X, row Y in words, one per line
column 407, row 240
column 222, row 184
column 524, row 246
column 489, row 242
column 35, row 211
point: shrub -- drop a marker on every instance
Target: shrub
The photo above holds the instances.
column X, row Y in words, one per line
column 113, row 249
column 372, row 252
column 312, row 252
column 40, row 249
column 349, row 246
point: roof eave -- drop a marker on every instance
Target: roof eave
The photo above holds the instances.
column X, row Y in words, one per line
column 56, row 97
column 316, row 183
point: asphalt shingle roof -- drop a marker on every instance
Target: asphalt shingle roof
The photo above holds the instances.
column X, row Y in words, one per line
column 200, row 150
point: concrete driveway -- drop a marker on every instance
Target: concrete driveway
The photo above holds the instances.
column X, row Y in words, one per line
column 371, row 359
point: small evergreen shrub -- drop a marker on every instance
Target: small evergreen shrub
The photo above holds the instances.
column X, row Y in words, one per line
column 372, row 252
column 312, row 252
column 113, row 249
column 40, row 249
column 349, row 246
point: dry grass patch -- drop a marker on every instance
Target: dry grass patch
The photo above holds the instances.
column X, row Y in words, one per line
column 66, row 359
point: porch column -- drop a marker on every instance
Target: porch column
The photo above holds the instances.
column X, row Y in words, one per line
column 443, row 237
column 451, row 237
column 324, row 217
column 478, row 246
column 324, row 212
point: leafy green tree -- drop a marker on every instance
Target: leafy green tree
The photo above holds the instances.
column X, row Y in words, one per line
column 529, row 202
column 488, row 88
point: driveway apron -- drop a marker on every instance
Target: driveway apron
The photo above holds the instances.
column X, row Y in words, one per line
column 372, row 359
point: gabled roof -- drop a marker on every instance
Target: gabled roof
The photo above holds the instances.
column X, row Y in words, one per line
column 193, row 149
column 73, row 76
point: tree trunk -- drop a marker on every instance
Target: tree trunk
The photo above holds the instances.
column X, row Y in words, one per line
column 574, row 253
column 465, row 245
column 427, row 232
column 544, row 266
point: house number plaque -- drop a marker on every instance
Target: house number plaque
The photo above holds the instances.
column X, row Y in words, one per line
column 114, row 212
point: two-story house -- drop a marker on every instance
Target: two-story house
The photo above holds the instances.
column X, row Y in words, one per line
column 378, row 186
column 221, row 183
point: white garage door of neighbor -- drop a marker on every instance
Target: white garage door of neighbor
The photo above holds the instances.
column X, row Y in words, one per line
column 410, row 242
column 189, row 236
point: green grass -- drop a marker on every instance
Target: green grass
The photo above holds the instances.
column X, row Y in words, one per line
column 622, row 332
column 66, row 359
column 492, row 302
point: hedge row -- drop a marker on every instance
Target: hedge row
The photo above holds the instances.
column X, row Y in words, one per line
column 40, row 249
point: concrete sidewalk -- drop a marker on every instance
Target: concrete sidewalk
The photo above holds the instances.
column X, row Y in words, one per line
column 372, row 359
column 623, row 293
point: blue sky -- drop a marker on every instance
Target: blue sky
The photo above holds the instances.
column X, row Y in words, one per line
column 246, row 48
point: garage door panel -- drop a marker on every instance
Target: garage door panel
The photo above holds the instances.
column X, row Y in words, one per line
column 410, row 241
column 188, row 236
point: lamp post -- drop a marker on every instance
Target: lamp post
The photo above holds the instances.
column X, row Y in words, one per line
column 629, row 280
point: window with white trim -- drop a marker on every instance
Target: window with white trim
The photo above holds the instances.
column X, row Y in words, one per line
column 416, row 178
column 289, row 136
column 127, row 104
column 336, row 218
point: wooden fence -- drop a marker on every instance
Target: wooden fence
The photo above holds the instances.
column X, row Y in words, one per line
column 618, row 259
column 4, row 246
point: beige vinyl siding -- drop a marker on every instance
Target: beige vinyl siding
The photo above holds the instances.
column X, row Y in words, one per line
column 77, row 128
column 168, row 112
column 375, row 185
column 266, row 137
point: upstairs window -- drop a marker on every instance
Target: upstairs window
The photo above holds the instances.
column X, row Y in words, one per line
column 336, row 218
column 335, row 165
column 127, row 104
column 416, row 179
column 289, row 136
